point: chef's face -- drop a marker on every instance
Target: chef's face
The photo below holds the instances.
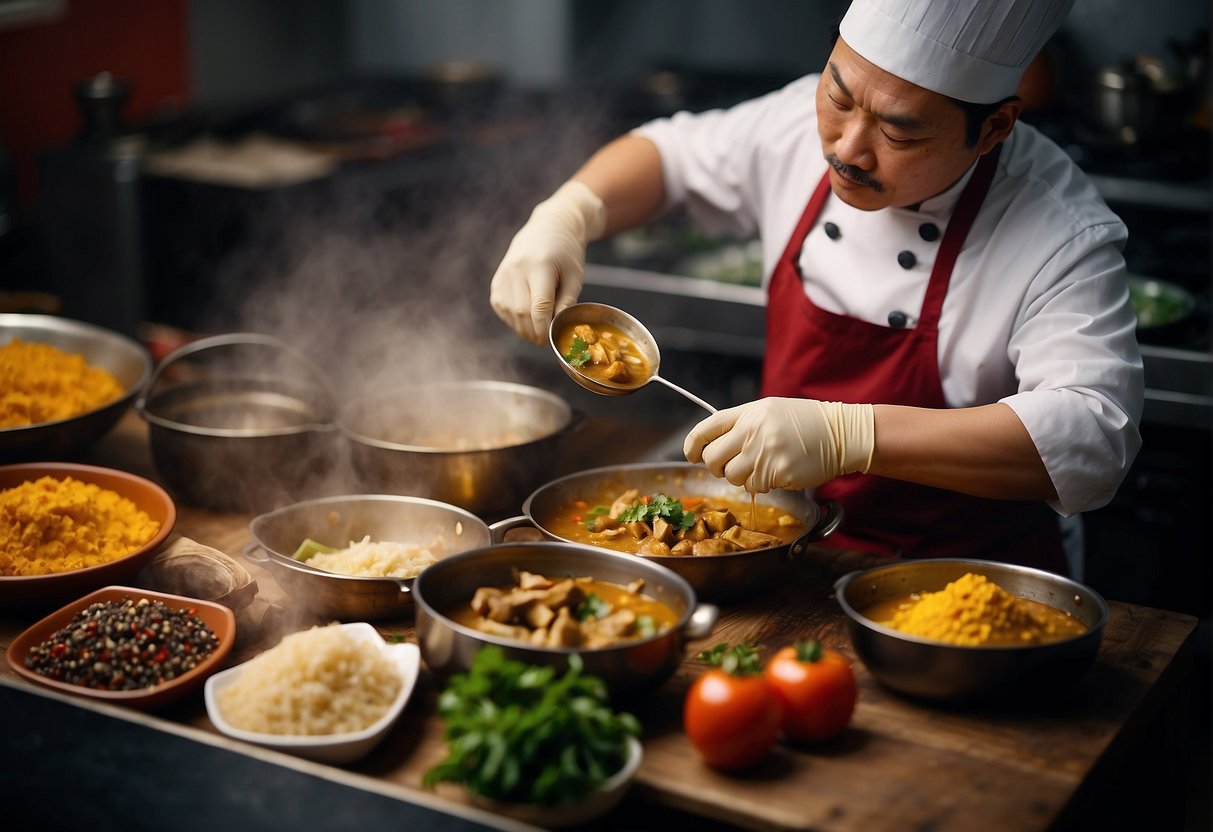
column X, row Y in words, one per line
column 891, row 143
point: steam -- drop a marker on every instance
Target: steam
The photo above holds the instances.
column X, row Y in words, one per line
column 385, row 292
column 387, row 287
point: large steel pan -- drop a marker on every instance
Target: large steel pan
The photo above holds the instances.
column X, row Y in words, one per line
column 716, row 577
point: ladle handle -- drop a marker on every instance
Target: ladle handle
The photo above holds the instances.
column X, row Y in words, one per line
column 686, row 393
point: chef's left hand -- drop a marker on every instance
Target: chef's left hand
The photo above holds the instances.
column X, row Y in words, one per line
column 784, row 443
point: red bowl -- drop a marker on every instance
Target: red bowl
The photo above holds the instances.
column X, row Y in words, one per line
column 216, row 616
column 42, row 589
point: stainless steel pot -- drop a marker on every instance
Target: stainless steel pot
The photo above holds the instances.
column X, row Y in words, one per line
column 627, row 669
column 715, row 577
column 335, row 521
column 239, row 422
column 480, row 445
column 1139, row 102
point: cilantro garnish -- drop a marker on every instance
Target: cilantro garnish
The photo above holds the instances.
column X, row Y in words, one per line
column 659, row 505
column 646, row 626
column 593, row 514
column 592, row 607
column 579, row 352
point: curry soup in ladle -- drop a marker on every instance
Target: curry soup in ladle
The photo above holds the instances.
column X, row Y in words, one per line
column 604, row 353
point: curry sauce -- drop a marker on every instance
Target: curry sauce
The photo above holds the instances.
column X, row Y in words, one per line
column 713, row 525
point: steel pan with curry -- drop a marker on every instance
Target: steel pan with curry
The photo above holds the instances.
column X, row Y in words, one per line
column 716, row 577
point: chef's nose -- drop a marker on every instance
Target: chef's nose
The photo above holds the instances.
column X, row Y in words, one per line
column 854, row 146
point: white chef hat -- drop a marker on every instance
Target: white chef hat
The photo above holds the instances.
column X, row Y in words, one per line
column 973, row 50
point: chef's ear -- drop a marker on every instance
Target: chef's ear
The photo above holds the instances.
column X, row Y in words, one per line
column 998, row 124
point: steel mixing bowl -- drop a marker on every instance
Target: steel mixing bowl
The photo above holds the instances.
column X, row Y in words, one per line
column 127, row 360
column 947, row 673
column 628, row 668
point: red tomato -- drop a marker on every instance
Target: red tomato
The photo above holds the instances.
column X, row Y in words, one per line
column 817, row 689
column 733, row 721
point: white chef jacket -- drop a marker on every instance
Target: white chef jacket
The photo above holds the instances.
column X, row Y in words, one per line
column 1037, row 313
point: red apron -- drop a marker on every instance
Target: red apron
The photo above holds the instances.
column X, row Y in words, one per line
column 813, row 353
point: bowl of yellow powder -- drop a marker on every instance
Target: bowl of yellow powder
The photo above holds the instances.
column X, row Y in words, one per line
column 63, row 384
column 68, row 529
column 963, row 630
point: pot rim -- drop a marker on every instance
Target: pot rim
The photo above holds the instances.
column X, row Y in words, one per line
column 679, row 583
column 342, row 425
column 859, row 619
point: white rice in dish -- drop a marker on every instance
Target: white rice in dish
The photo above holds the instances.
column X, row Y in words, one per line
column 317, row 682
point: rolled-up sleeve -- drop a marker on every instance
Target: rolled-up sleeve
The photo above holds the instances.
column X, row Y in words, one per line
column 1080, row 376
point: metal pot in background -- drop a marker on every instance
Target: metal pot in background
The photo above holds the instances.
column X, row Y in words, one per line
column 240, row 422
column 1140, row 102
column 480, row 445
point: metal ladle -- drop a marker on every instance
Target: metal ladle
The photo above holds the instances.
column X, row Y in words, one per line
column 600, row 313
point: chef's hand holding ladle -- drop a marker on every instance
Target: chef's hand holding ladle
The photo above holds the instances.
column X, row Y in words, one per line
column 595, row 315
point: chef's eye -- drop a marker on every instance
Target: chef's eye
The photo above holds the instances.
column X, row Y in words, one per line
column 896, row 141
column 839, row 104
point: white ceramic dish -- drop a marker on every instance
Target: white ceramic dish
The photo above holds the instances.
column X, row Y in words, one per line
column 597, row 803
column 331, row 748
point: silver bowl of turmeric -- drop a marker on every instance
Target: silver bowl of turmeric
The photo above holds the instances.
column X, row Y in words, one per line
column 63, row 384
column 67, row 529
column 972, row 631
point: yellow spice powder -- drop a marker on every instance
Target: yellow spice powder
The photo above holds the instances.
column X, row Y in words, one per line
column 41, row 383
column 51, row 525
column 972, row 611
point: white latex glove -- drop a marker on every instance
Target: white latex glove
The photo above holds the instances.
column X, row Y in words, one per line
column 784, row 443
column 544, row 268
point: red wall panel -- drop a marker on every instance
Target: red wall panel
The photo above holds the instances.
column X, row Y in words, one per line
column 144, row 41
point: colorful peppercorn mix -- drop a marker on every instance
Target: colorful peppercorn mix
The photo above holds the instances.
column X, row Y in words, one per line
column 124, row 645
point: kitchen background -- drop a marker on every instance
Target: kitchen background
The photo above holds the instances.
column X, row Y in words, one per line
column 347, row 173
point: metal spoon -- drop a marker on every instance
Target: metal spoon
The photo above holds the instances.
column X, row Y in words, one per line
column 600, row 313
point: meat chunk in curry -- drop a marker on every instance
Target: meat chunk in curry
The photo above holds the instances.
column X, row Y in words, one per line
column 604, row 353
column 663, row 526
column 566, row 612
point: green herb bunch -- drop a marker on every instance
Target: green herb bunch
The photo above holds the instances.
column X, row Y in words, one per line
column 659, row 505
column 524, row 734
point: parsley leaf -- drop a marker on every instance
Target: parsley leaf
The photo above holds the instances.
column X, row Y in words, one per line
column 594, row 514
column 526, row 733
column 646, row 626
column 578, row 354
column 659, row 505
column 592, row 607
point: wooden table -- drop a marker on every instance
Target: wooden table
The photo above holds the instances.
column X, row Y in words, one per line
column 901, row 765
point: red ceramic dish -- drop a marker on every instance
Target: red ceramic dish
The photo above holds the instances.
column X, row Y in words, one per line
column 216, row 616
column 151, row 498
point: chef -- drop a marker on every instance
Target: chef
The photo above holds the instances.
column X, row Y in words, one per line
column 950, row 347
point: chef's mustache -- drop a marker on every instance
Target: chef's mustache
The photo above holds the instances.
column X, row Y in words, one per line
column 855, row 174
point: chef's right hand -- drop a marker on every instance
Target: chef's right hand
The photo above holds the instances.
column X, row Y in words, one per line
column 544, row 268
